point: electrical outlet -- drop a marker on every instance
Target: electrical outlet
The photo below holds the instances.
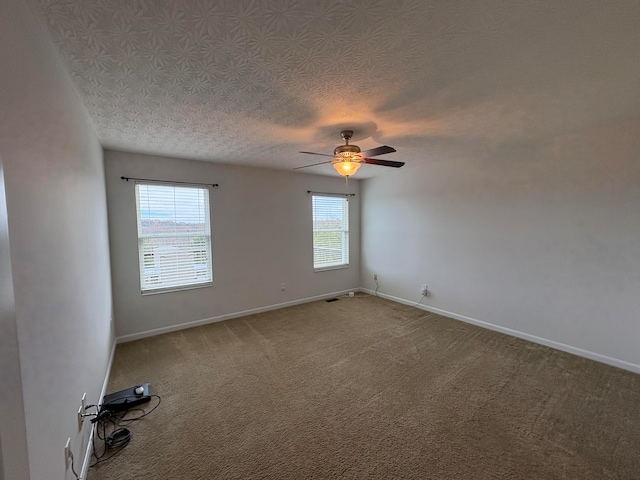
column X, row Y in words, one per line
column 375, row 276
column 80, row 418
column 83, row 404
column 67, row 453
column 424, row 290
column 283, row 287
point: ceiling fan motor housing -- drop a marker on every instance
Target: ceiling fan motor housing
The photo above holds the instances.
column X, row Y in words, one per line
column 347, row 152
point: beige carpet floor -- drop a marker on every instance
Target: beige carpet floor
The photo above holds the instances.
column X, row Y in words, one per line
column 365, row 388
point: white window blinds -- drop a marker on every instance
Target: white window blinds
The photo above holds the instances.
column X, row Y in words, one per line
column 330, row 232
column 174, row 237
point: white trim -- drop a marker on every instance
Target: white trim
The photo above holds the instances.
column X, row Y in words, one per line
column 158, row 291
column 87, row 456
column 333, row 267
column 598, row 357
column 228, row 316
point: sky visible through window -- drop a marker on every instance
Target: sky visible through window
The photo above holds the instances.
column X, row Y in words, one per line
column 180, row 204
column 328, row 208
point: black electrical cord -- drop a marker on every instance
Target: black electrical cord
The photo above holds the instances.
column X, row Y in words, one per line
column 111, row 429
column 73, row 468
column 120, row 437
column 106, row 423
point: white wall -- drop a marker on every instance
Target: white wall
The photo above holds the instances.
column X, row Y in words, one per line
column 261, row 237
column 14, row 461
column 58, row 237
column 541, row 237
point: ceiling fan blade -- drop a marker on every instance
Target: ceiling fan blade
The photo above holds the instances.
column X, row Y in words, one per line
column 312, row 165
column 374, row 152
column 384, row 163
column 314, row 153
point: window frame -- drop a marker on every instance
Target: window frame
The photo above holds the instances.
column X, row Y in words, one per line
column 204, row 204
column 345, row 232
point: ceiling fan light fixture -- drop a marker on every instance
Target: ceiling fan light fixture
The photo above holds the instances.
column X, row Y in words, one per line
column 346, row 168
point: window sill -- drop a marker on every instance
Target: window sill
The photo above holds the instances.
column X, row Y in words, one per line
column 176, row 289
column 336, row 267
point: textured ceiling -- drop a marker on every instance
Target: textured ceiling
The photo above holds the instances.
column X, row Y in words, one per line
column 253, row 82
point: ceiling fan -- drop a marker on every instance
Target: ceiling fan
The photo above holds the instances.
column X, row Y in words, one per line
column 348, row 158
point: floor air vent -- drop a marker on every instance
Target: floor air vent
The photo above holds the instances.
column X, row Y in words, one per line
column 332, row 300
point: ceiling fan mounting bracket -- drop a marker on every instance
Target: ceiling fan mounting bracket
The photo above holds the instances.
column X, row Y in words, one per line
column 346, row 135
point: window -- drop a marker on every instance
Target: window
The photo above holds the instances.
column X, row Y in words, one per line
column 330, row 232
column 174, row 237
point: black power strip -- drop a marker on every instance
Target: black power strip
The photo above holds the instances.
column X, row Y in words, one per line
column 127, row 398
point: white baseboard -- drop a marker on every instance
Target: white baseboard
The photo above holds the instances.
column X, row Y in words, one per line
column 228, row 316
column 87, row 456
column 632, row 367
